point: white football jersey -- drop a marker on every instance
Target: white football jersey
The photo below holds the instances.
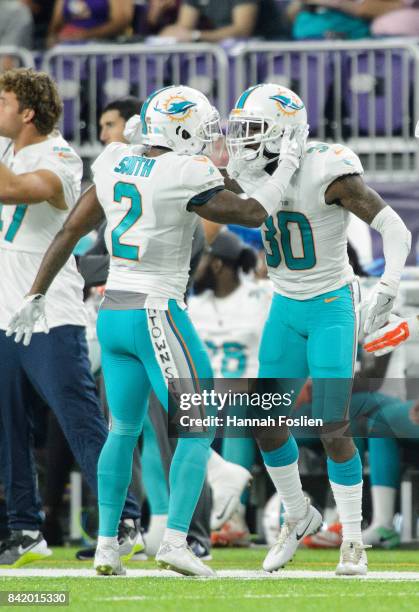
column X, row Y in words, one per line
column 232, row 340
column 306, row 240
column 149, row 230
column 26, row 231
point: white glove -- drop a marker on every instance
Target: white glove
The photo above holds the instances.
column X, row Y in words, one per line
column 293, row 144
column 378, row 307
column 388, row 338
column 249, row 179
column 29, row 314
column 241, row 168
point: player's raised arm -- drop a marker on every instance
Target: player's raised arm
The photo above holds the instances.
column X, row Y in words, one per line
column 227, row 207
column 31, row 188
column 85, row 216
column 83, row 219
column 352, row 193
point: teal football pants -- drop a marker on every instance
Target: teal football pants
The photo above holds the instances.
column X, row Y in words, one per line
column 143, row 349
column 316, row 338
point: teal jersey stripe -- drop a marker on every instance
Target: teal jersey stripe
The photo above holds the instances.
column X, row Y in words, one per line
column 187, row 357
column 242, row 100
column 146, row 104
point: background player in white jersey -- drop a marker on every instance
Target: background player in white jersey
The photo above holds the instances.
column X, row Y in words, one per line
column 40, row 178
column 229, row 309
column 151, row 197
column 312, row 326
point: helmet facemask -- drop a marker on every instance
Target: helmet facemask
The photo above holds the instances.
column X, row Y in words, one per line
column 198, row 139
column 249, row 138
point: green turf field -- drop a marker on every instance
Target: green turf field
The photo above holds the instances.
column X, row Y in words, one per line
column 239, row 594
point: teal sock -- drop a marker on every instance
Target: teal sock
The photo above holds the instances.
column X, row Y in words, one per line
column 284, row 455
column 154, row 477
column 187, row 475
column 347, row 473
column 384, row 458
column 114, row 477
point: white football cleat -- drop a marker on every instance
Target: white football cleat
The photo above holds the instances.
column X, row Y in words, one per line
column 290, row 537
column 108, row 562
column 353, row 559
column 130, row 539
column 226, row 492
column 182, row 560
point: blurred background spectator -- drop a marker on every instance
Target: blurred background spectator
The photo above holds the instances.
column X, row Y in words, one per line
column 320, row 19
column 82, row 20
column 161, row 13
column 215, row 20
column 16, row 26
column 41, row 13
column 388, row 17
column 114, row 117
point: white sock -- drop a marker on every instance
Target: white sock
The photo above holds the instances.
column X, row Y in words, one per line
column 383, row 503
column 32, row 533
column 349, row 504
column 108, row 542
column 154, row 535
column 215, row 467
column 287, row 482
column 175, row 537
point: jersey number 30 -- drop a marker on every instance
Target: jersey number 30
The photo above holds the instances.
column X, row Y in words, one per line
column 274, row 258
column 129, row 191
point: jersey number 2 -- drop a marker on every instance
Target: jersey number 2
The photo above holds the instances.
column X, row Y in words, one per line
column 16, row 222
column 129, row 191
column 274, row 258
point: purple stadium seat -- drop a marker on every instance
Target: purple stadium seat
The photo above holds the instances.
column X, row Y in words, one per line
column 377, row 90
column 307, row 75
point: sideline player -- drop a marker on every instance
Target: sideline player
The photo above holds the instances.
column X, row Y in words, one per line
column 152, row 196
column 40, row 178
column 312, row 325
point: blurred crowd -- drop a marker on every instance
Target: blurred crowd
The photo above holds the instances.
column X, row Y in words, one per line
column 41, row 24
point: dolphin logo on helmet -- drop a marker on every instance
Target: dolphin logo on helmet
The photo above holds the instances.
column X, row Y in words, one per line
column 176, row 108
column 288, row 104
column 179, row 118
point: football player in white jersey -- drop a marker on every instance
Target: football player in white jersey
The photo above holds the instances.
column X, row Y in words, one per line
column 152, row 195
column 40, row 177
column 229, row 309
column 312, row 326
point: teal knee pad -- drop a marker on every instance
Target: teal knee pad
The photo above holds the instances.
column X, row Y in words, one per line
column 122, row 428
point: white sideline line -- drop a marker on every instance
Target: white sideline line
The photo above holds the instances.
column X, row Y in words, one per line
column 238, row 574
column 259, row 596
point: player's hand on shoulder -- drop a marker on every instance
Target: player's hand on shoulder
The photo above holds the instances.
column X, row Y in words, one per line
column 31, row 312
column 389, row 337
column 293, row 144
column 377, row 307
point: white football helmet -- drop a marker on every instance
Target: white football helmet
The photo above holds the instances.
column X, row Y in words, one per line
column 179, row 118
column 257, row 123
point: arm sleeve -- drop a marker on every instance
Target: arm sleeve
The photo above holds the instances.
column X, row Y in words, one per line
column 396, row 245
